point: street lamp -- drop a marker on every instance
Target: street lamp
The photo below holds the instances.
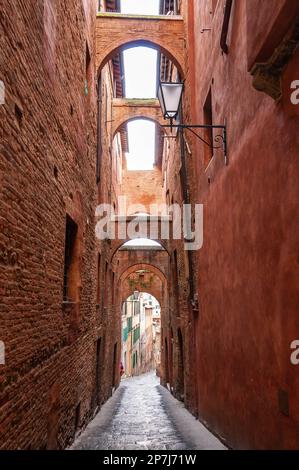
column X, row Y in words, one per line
column 170, row 97
column 136, row 294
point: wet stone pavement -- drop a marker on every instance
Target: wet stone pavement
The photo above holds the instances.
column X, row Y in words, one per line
column 139, row 416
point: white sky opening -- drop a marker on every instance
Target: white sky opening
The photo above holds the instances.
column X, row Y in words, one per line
column 142, row 145
column 140, row 7
column 140, row 73
column 140, row 70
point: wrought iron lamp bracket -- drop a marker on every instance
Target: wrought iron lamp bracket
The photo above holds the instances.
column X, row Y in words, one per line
column 220, row 138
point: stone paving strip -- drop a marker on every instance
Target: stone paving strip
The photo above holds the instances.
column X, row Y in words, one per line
column 142, row 415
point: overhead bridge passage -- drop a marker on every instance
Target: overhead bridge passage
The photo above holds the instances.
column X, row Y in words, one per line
column 115, row 31
column 125, row 110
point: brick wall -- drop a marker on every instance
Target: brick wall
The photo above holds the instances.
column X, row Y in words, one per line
column 47, row 170
column 142, row 187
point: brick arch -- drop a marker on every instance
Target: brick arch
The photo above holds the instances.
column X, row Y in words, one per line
column 147, row 291
column 116, row 244
column 164, row 34
column 136, row 267
column 142, row 292
column 176, row 58
column 157, row 289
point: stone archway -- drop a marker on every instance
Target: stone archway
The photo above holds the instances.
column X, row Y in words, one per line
column 166, row 34
column 159, row 271
column 116, row 244
column 149, row 279
column 144, row 278
column 127, row 110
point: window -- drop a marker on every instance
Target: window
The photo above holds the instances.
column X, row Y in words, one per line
column 19, row 115
column 70, row 267
column 106, row 108
column 208, row 120
column 77, row 416
column 125, row 334
column 136, row 335
column 170, row 7
column 142, row 144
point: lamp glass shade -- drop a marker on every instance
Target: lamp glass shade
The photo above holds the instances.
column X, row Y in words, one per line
column 136, row 295
column 162, row 104
column 170, row 96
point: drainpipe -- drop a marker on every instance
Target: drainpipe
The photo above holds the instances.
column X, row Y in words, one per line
column 224, row 32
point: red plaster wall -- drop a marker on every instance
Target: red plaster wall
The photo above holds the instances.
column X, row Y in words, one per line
column 248, row 268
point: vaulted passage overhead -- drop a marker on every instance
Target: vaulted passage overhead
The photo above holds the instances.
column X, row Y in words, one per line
column 165, row 34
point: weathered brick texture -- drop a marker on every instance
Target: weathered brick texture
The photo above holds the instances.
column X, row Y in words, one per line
column 47, row 170
column 114, row 31
column 229, row 311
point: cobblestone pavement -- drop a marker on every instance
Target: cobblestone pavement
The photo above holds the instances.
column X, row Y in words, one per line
column 142, row 415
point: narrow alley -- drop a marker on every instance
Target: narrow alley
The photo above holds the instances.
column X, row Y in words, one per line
column 142, row 415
